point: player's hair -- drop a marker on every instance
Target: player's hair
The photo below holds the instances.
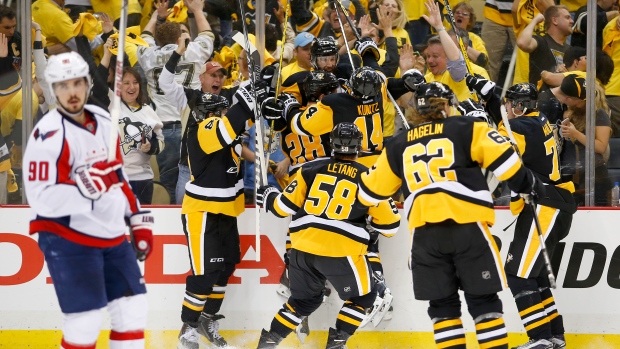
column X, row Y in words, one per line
column 552, row 12
column 401, row 20
column 167, row 33
column 472, row 15
column 271, row 37
column 141, row 99
column 436, row 111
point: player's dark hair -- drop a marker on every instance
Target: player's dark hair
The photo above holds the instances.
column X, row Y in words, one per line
column 141, row 99
column 7, row 12
column 167, row 33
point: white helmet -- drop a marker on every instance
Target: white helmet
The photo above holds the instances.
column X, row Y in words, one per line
column 67, row 66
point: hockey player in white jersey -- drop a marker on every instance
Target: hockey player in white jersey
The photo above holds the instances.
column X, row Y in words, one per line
column 162, row 42
column 81, row 203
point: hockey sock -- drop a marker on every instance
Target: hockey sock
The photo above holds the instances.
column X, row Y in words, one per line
column 350, row 317
column 555, row 319
column 215, row 300
column 491, row 334
column 449, row 333
column 285, row 321
column 192, row 306
column 533, row 315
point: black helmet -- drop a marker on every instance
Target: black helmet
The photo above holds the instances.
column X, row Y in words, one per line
column 319, row 82
column 207, row 103
column 346, row 138
column 323, row 47
column 365, row 82
column 432, row 90
column 523, row 96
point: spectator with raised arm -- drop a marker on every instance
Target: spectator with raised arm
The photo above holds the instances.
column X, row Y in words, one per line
column 56, row 25
column 152, row 60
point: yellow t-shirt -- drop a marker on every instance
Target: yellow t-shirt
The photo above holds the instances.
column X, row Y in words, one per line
column 477, row 43
column 113, row 7
column 611, row 46
column 499, row 11
column 526, row 11
column 402, row 37
column 291, row 69
column 573, row 5
column 13, row 112
column 55, row 23
column 460, row 89
column 414, row 9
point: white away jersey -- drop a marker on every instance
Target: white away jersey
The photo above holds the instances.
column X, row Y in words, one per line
column 153, row 59
column 59, row 146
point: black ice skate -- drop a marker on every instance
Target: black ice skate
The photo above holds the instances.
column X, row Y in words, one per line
column 209, row 327
column 337, row 339
column 268, row 340
column 536, row 344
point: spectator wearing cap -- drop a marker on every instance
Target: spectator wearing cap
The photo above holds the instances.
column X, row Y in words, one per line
column 312, row 23
column 303, row 44
column 574, row 132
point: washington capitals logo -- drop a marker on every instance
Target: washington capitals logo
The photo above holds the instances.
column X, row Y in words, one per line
column 45, row 135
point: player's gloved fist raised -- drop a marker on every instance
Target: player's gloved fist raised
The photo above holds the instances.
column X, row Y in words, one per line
column 470, row 108
column 101, row 177
column 412, row 79
column 268, row 73
column 245, row 94
column 478, row 83
column 289, row 102
column 263, row 193
column 367, row 44
column 141, row 224
column 272, row 109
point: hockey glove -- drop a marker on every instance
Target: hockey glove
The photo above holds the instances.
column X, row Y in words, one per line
column 263, row 194
column 536, row 190
column 272, row 109
column 269, row 73
column 367, row 44
column 470, row 108
column 412, row 79
column 245, row 94
column 478, row 83
column 289, row 102
column 101, row 177
column 141, row 229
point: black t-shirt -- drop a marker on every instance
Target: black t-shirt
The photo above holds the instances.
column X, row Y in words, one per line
column 547, row 56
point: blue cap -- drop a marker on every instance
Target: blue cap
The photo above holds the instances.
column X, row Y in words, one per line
column 303, row 39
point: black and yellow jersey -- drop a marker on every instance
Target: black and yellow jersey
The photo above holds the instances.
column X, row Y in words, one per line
column 327, row 219
column 438, row 166
column 294, row 85
column 335, row 108
column 302, row 150
column 10, row 80
column 539, row 152
column 214, row 150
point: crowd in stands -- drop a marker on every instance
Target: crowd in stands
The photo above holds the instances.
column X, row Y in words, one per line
column 550, row 39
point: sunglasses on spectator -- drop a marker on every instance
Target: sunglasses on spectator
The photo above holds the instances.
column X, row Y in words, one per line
column 459, row 13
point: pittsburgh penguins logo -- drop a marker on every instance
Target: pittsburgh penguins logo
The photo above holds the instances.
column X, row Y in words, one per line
column 132, row 133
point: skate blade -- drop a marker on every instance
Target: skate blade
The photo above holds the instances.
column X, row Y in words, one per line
column 303, row 330
column 383, row 309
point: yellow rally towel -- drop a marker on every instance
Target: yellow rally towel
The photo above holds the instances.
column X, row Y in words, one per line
column 11, row 183
column 132, row 41
column 178, row 13
column 88, row 24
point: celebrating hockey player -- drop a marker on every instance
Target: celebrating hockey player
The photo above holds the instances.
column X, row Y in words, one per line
column 81, row 202
column 329, row 239
column 525, row 268
column 437, row 164
column 213, row 200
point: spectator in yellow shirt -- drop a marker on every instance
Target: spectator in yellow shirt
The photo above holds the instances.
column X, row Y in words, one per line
column 56, row 26
column 303, row 44
column 465, row 18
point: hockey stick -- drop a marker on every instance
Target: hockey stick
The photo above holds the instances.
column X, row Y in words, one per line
column 278, row 80
column 260, row 174
column 337, row 4
column 115, row 111
column 461, row 44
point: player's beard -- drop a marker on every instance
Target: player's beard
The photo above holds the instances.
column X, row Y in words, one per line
column 73, row 109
